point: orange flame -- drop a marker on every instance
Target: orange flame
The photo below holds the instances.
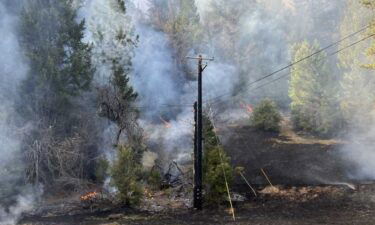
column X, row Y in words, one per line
column 247, row 107
column 166, row 124
column 89, row 196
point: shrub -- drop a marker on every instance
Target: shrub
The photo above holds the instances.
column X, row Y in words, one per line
column 215, row 164
column 323, row 123
column 213, row 176
column 154, row 179
column 101, row 170
column 126, row 172
column 266, row 116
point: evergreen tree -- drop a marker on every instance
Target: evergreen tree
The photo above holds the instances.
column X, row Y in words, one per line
column 113, row 46
column 60, row 72
column 180, row 20
column 357, row 98
column 266, row 116
column 238, row 34
column 215, row 164
column 313, row 92
column 126, row 173
column 60, row 63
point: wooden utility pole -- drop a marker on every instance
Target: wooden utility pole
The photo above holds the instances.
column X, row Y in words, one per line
column 198, row 137
column 197, row 193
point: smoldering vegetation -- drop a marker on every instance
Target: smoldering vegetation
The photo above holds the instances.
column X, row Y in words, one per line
column 80, row 78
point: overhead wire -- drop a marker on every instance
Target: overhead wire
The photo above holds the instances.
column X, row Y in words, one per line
column 217, row 100
column 296, row 62
column 222, row 164
column 210, row 103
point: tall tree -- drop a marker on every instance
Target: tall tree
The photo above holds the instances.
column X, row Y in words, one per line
column 180, row 20
column 60, row 72
column 114, row 42
column 313, row 91
column 356, row 100
column 60, row 63
column 251, row 39
column 217, row 169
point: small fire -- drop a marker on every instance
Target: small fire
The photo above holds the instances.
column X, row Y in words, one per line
column 247, row 107
column 166, row 124
column 148, row 194
column 90, row 196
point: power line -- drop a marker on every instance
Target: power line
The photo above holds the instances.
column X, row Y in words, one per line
column 162, row 106
column 298, row 61
column 218, row 98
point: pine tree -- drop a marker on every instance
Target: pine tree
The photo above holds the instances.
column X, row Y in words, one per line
column 114, row 42
column 313, row 92
column 266, row 116
column 60, row 63
column 60, row 74
column 180, row 20
column 357, row 97
column 215, row 164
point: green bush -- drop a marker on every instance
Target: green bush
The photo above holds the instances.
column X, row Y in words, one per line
column 126, row 173
column 266, row 116
column 324, row 123
column 154, row 179
column 215, row 164
column 101, row 170
column 213, row 176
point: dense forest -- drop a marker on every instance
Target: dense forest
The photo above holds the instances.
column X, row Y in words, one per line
column 101, row 92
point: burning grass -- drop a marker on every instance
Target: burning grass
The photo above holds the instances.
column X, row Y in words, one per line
column 90, row 196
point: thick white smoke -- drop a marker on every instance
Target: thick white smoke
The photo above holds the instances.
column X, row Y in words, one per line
column 157, row 79
column 105, row 20
column 166, row 95
column 260, row 37
column 15, row 198
column 359, row 152
column 161, row 86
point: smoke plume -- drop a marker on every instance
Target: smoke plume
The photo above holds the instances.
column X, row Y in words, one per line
column 15, row 197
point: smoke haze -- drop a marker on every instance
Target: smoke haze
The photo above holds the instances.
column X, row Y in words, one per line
column 15, row 197
column 247, row 42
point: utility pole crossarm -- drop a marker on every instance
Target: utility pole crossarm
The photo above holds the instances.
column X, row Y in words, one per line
column 201, row 58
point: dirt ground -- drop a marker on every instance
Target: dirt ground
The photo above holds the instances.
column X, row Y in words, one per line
column 288, row 158
column 285, row 206
column 313, row 188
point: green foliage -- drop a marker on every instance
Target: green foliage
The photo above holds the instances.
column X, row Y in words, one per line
column 370, row 52
column 115, row 102
column 216, row 163
column 113, row 48
column 266, row 116
column 120, row 82
column 122, row 6
column 101, row 170
column 51, row 95
column 60, row 63
column 154, row 179
column 357, row 84
column 313, row 91
column 125, row 174
column 180, row 20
